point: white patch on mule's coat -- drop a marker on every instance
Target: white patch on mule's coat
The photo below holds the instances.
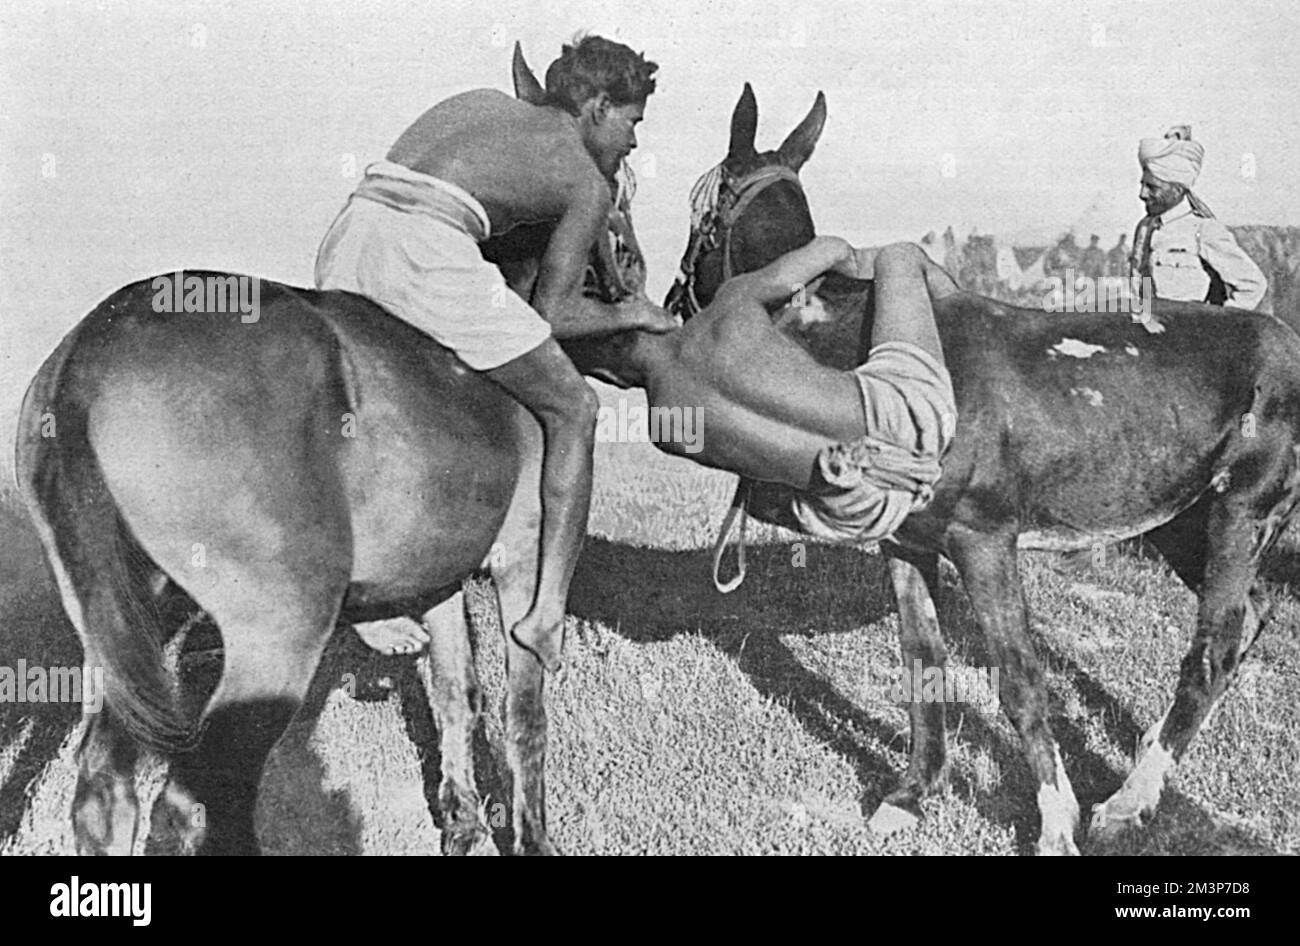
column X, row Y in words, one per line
column 1131, row 349
column 1091, row 395
column 1074, row 348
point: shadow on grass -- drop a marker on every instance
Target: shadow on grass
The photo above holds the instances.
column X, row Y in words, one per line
column 297, row 814
column 650, row 595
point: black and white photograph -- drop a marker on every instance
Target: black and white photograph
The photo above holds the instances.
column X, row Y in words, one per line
column 580, row 427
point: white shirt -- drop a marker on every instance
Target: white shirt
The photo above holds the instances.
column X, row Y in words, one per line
column 1183, row 240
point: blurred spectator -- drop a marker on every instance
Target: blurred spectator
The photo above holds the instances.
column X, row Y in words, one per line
column 1092, row 262
column 1063, row 256
column 1117, row 258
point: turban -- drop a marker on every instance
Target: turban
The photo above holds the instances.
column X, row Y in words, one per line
column 1175, row 158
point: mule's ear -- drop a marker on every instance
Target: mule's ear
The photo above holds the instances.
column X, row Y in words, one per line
column 798, row 147
column 744, row 123
column 526, row 85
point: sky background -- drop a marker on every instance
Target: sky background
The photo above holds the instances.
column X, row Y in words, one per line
column 140, row 137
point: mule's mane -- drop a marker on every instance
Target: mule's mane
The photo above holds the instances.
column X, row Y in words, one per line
column 704, row 195
column 625, row 186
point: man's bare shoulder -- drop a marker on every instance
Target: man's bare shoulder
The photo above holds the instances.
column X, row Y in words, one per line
column 523, row 162
column 486, row 128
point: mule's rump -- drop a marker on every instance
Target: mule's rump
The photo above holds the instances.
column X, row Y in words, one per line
column 204, row 425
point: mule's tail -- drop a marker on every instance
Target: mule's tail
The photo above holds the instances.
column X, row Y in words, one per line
column 102, row 572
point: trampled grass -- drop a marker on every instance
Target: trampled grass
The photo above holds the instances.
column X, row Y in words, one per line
column 759, row 722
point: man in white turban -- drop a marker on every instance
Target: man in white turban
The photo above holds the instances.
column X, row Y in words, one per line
column 1188, row 254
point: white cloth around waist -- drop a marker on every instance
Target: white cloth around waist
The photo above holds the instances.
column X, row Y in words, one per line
column 870, row 485
column 409, row 242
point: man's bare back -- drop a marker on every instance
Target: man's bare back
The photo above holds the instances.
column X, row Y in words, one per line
column 768, row 407
column 523, row 163
column 479, row 163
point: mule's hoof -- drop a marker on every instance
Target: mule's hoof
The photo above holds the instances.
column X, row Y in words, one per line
column 537, row 847
column 890, row 819
column 393, row 638
column 178, row 824
column 1057, row 847
column 1111, row 820
column 475, row 843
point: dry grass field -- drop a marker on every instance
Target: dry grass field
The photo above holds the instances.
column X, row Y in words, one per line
column 756, row 723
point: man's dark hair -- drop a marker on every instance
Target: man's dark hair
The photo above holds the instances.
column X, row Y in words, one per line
column 593, row 64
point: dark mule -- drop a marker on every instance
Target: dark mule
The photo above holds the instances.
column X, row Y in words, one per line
column 1074, row 429
column 324, row 460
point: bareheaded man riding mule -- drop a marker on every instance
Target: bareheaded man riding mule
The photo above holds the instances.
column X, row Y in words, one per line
column 1072, row 430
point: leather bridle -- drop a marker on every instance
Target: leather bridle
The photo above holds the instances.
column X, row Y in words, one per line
column 714, row 218
column 717, row 223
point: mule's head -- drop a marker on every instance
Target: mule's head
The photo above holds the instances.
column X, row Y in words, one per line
column 748, row 210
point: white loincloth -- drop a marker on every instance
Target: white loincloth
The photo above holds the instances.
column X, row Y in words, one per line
column 409, row 242
column 872, row 484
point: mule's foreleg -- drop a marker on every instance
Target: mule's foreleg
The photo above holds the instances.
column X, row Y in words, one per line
column 915, row 577
column 990, row 570
column 1227, row 623
column 457, row 702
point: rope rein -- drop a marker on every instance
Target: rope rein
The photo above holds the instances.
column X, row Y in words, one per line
column 714, row 212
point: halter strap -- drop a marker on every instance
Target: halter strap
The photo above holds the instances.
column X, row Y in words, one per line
column 717, row 203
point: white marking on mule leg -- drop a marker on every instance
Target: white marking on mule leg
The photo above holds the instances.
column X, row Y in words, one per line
column 1137, row 799
column 1059, row 811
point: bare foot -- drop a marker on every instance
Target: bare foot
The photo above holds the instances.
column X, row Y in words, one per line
column 544, row 636
column 398, row 636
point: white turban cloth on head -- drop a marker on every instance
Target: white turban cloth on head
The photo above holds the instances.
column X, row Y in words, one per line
column 1175, row 158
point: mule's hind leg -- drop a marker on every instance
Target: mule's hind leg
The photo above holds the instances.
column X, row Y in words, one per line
column 514, row 573
column 457, row 702
column 274, row 630
column 105, row 807
column 915, row 577
column 1227, row 624
column 990, row 571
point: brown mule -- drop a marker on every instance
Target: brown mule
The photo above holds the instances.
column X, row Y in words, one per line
column 1074, row 430
column 320, row 460
column 324, row 460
